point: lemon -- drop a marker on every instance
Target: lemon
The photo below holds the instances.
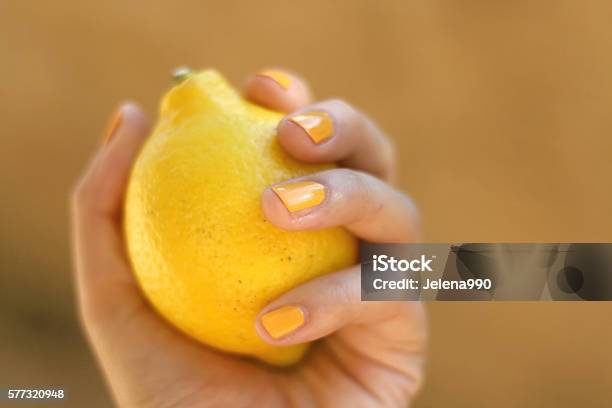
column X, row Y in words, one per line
column 203, row 253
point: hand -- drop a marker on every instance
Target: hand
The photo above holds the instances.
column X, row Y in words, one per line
column 369, row 353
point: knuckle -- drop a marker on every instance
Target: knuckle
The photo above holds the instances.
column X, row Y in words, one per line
column 95, row 313
column 340, row 103
column 78, row 195
column 366, row 191
column 85, row 314
column 84, row 195
column 366, row 135
column 348, row 110
column 352, row 179
column 89, row 314
column 360, row 187
column 341, row 289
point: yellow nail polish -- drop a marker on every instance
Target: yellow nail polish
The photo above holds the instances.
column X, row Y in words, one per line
column 280, row 322
column 318, row 125
column 300, row 195
column 279, row 77
column 112, row 126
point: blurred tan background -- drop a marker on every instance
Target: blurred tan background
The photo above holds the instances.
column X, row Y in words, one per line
column 501, row 110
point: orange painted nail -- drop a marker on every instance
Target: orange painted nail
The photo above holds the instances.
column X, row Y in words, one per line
column 317, row 125
column 300, row 195
column 112, row 126
column 283, row 321
column 279, row 77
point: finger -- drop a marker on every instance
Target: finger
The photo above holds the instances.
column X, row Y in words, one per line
column 363, row 204
column 375, row 342
column 332, row 302
column 102, row 270
column 278, row 89
column 334, row 131
column 101, row 188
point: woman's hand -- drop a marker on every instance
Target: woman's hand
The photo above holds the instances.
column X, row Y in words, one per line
column 370, row 353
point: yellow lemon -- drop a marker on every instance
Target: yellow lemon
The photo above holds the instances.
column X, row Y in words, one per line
column 200, row 246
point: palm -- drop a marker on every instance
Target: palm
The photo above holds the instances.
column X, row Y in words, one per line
column 358, row 362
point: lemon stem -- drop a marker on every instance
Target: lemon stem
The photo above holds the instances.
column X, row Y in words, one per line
column 180, row 74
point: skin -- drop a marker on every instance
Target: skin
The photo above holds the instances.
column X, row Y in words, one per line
column 368, row 353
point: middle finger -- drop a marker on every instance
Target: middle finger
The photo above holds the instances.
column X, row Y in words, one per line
column 363, row 204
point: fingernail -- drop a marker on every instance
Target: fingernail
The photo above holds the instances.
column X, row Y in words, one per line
column 280, row 322
column 279, row 77
column 113, row 125
column 318, row 125
column 300, row 195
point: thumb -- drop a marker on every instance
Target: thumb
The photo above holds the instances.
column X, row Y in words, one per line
column 333, row 303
